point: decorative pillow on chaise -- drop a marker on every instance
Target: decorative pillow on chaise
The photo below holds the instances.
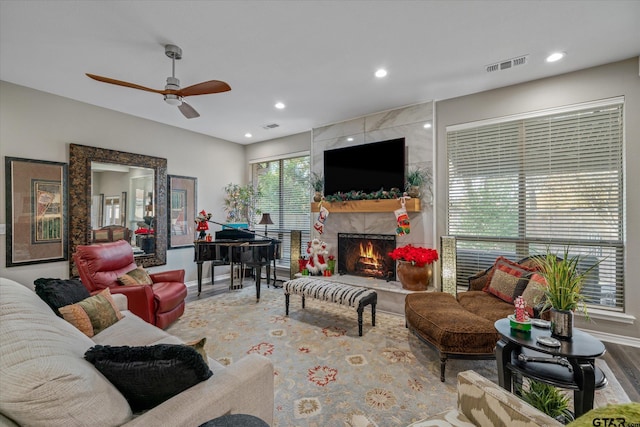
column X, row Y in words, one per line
column 59, row 292
column 507, row 280
column 137, row 276
column 94, row 314
column 147, row 376
column 533, row 294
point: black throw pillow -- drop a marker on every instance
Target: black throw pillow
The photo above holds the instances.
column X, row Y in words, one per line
column 147, row 376
column 60, row 292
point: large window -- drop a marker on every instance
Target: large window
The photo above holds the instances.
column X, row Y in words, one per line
column 284, row 184
column 550, row 180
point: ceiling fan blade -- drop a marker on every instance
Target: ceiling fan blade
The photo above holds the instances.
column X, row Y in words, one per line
column 188, row 111
column 121, row 83
column 204, row 88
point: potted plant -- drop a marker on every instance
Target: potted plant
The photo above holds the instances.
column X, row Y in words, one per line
column 317, row 184
column 414, row 266
column 563, row 293
column 240, row 203
column 416, row 179
column 547, row 399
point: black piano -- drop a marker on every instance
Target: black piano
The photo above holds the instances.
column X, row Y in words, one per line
column 238, row 246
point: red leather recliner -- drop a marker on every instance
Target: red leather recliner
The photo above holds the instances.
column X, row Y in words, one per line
column 100, row 265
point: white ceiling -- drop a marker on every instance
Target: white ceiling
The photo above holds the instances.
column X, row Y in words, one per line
column 318, row 57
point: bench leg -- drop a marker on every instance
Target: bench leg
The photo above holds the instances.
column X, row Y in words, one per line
column 286, row 303
column 373, row 314
column 303, row 301
column 360, row 310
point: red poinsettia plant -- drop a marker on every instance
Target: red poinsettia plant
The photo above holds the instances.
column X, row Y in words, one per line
column 416, row 255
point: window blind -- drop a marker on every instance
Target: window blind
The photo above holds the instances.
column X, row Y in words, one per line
column 286, row 196
column 520, row 187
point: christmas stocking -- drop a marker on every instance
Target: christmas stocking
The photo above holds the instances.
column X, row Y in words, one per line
column 322, row 217
column 402, row 218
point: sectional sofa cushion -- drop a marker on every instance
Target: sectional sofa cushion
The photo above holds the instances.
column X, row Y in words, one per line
column 45, row 379
column 149, row 375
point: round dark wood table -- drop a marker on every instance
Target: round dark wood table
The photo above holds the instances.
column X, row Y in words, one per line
column 570, row 365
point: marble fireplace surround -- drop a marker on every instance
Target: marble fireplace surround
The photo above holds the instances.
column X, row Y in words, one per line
column 407, row 122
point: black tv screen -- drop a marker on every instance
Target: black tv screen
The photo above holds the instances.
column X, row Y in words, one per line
column 367, row 167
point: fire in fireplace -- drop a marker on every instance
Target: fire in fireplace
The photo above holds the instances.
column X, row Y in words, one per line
column 366, row 255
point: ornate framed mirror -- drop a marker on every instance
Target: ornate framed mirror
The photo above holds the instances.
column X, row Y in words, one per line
column 146, row 197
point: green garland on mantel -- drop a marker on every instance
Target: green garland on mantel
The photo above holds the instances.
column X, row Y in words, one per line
column 394, row 193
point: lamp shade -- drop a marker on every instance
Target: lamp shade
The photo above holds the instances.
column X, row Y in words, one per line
column 266, row 219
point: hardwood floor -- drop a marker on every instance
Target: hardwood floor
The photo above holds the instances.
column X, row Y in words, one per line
column 624, row 361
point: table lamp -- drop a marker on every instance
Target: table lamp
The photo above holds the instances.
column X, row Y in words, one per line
column 265, row 220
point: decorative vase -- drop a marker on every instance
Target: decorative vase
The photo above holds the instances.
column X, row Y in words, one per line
column 413, row 191
column 317, row 197
column 414, row 278
column 561, row 324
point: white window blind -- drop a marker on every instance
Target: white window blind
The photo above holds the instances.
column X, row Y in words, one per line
column 550, row 181
column 286, row 196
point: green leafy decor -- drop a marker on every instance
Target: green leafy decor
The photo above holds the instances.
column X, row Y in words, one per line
column 547, row 399
column 564, row 281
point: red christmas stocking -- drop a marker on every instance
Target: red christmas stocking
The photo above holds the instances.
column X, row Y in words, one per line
column 322, row 217
column 402, row 218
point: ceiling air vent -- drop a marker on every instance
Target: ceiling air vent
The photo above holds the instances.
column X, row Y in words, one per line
column 271, row 126
column 505, row 65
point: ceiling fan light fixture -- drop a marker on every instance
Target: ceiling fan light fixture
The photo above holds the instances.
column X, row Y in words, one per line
column 174, row 100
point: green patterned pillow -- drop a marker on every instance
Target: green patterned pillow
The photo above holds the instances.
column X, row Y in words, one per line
column 92, row 315
column 137, row 276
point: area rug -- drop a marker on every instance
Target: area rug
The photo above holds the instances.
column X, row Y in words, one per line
column 325, row 374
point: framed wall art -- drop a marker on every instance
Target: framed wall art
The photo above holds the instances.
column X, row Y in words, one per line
column 37, row 228
column 181, row 210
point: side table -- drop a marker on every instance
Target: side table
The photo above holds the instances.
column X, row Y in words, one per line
column 571, row 366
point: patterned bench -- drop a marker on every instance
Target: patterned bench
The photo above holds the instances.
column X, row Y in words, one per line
column 324, row 290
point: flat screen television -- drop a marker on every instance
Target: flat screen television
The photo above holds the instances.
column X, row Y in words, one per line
column 367, row 167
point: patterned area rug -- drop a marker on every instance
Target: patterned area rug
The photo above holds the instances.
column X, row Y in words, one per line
column 325, row 374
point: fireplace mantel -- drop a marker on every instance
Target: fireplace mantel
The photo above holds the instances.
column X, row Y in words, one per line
column 370, row 206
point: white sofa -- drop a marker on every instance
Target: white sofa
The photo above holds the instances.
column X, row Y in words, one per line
column 45, row 381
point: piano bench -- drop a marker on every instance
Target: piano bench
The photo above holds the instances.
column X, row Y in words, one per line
column 339, row 293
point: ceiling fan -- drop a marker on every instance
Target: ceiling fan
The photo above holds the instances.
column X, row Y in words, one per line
column 173, row 95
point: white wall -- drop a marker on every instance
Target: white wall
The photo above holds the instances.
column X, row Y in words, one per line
column 607, row 81
column 38, row 125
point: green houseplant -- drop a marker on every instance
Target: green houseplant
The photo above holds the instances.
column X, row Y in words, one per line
column 416, row 179
column 317, row 184
column 563, row 293
column 547, row 399
column 240, row 203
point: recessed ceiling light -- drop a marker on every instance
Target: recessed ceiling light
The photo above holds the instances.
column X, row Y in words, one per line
column 556, row 56
column 279, row 105
column 381, row 73
column 427, row 126
column 247, row 135
column 349, row 139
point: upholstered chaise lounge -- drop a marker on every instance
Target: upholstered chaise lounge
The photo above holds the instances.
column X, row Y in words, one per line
column 462, row 326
